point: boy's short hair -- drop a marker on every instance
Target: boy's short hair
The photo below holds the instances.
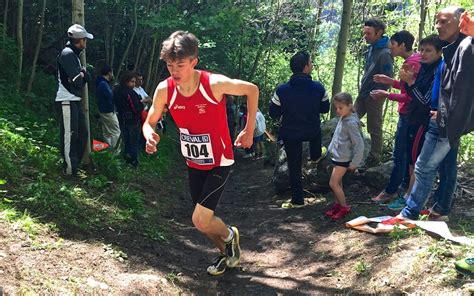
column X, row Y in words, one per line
column 404, row 37
column 178, row 46
column 299, row 61
column 106, row 69
column 375, row 23
column 432, row 40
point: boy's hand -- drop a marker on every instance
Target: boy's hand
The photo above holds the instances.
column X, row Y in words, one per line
column 384, row 79
column 151, row 143
column 379, row 94
column 244, row 139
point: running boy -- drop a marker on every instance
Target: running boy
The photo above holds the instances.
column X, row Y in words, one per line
column 195, row 101
column 346, row 150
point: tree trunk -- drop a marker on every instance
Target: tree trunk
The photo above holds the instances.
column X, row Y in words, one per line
column 112, row 46
column 38, row 47
column 5, row 23
column 19, row 33
column 241, row 52
column 341, row 49
column 421, row 27
column 78, row 18
column 107, row 44
column 151, row 62
column 312, row 49
column 139, row 53
column 130, row 42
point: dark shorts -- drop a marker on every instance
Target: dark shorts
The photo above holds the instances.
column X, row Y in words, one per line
column 258, row 139
column 207, row 186
column 344, row 164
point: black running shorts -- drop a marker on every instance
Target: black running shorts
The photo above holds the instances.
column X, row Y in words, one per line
column 207, row 186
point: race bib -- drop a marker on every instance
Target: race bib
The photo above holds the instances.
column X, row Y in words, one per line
column 196, row 148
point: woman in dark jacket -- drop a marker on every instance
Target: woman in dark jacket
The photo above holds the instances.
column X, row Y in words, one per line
column 129, row 109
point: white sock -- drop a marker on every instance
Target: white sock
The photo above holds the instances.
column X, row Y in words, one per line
column 230, row 236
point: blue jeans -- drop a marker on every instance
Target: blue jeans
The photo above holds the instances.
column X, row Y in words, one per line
column 400, row 176
column 432, row 155
column 448, row 172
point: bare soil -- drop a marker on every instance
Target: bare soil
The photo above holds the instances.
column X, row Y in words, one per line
column 285, row 252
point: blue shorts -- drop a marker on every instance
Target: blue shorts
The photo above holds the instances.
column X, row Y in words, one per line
column 258, row 139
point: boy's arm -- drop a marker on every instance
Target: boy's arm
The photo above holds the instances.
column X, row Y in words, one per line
column 154, row 115
column 275, row 107
column 221, row 85
column 324, row 106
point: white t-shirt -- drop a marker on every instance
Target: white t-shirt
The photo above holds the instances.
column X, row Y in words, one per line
column 141, row 92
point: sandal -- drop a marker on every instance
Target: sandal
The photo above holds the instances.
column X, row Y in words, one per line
column 289, row 205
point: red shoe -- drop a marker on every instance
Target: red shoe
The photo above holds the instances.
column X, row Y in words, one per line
column 343, row 211
column 333, row 210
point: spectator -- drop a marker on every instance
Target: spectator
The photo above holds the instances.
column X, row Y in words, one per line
column 259, row 133
column 378, row 61
column 72, row 80
column 401, row 45
column 129, row 107
column 420, row 89
column 105, row 102
column 346, row 150
column 299, row 103
column 453, row 118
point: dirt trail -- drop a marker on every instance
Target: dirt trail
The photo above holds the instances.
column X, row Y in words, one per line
column 293, row 251
column 285, row 252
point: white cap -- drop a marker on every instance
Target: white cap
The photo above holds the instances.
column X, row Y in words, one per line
column 78, row 32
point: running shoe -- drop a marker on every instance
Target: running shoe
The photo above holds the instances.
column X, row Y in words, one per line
column 397, row 204
column 232, row 249
column 218, row 265
column 343, row 211
column 465, row 266
column 333, row 210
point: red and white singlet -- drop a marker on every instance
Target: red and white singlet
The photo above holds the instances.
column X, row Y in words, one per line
column 202, row 122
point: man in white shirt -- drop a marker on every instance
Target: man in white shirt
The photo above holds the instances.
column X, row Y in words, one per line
column 141, row 92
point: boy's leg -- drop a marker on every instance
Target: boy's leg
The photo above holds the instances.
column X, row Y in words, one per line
column 315, row 147
column 398, row 156
column 293, row 151
column 212, row 226
column 374, row 127
column 206, row 189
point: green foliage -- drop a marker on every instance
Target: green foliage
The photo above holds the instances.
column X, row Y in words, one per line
column 361, row 267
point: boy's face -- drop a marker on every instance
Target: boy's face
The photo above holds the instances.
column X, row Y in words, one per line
column 181, row 70
column 396, row 49
column 429, row 54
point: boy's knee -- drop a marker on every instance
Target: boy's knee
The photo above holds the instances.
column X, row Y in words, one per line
column 200, row 222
